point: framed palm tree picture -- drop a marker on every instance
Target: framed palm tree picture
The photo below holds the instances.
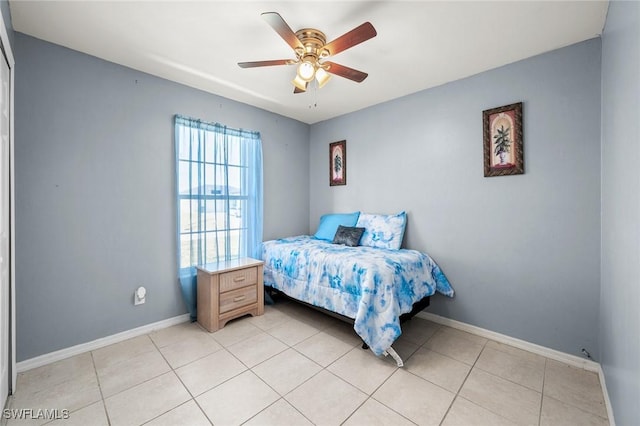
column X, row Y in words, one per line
column 338, row 163
column 503, row 146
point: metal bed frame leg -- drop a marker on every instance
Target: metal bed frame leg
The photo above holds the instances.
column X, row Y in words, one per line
column 394, row 355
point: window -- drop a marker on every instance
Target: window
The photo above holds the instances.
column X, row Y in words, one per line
column 219, row 194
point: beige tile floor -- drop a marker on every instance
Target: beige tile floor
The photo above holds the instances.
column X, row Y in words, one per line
column 295, row 366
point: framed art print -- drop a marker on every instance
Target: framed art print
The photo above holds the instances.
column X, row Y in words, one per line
column 338, row 163
column 503, row 146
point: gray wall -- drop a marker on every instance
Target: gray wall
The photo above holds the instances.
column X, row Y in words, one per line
column 522, row 252
column 95, row 192
column 620, row 290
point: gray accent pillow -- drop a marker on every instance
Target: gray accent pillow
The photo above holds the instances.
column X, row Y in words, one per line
column 348, row 235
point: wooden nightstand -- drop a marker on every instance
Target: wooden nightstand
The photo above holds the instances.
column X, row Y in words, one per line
column 228, row 290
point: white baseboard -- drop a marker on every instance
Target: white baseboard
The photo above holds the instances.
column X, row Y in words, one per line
column 98, row 343
column 553, row 354
column 605, row 394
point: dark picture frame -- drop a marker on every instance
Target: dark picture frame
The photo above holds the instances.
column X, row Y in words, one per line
column 338, row 163
column 503, row 144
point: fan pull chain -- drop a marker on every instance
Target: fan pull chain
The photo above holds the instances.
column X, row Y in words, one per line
column 315, row 95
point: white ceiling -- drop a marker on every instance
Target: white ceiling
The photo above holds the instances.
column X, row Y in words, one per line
column 420, row 44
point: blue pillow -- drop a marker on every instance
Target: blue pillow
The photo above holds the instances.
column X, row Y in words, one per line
column 329, row 224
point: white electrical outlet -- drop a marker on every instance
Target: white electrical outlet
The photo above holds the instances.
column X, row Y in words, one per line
column 139, row 295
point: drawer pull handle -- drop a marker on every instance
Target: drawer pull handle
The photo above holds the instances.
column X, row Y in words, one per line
column 238, row 279
column 239, row 298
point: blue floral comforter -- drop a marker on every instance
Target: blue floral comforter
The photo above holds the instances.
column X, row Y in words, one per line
column 373, row 286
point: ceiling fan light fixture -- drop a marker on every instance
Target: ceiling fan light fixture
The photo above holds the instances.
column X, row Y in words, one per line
column 306, row 71
column 322, row 76
column 299, row 83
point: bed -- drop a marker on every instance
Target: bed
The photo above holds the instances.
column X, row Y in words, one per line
column 374, row 286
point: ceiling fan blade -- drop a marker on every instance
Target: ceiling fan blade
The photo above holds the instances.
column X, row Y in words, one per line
column 356, row 36
column 280, row 26
column 264, row 63
column 346, row 72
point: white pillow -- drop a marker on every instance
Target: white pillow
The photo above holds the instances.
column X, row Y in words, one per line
column 382, row 231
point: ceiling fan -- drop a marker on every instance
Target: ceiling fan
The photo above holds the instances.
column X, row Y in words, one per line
column 311, row 50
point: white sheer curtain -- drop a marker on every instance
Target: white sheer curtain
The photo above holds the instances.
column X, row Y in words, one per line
column 219, row 197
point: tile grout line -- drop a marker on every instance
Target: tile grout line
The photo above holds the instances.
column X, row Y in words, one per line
column 387, row 407
column 226, row 327
column 571, row 404
column 104, row 403
column 171, row 370
column 180, row 379
column 174, row 408
column 353, row 386
column 11, row 400
column 195, row 401
column 507, row 380
column 382, row 403
column 463, row 382
column 247, row 369
column 138, row 384
column 503, row 378
column 281, row 397
column 575, row 407
column 544, row 377
column 455, row 398
column 296, row 343
column 194, row 398
column 289, row 402
column 222, row 382
column 370, row 396
column 194, row 360
column 511, row 381
column 394, row 372
column 322, row 368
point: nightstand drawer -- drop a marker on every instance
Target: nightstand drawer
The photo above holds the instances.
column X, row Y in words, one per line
column 238, row 279
column 237, row 298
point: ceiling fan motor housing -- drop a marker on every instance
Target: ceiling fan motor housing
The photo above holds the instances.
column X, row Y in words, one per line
column 313, row 41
